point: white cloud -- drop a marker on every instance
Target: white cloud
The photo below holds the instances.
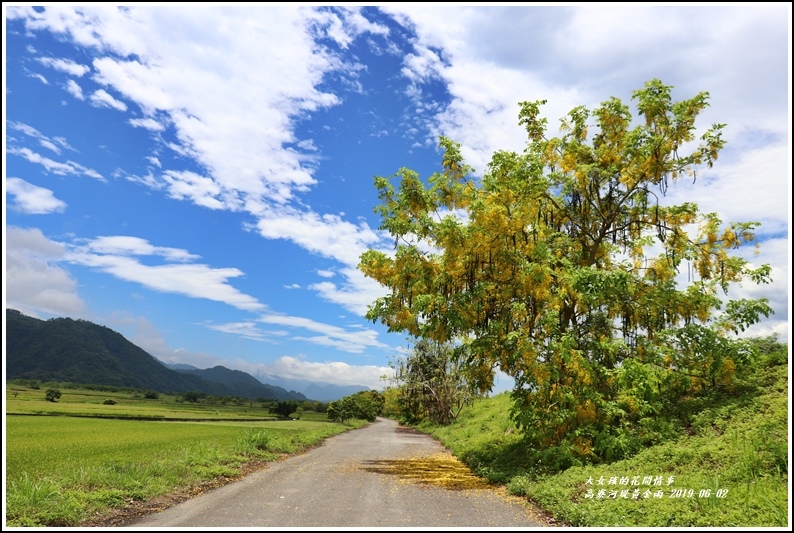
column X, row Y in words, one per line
column 231, row 91
column 33, row 277
column 193, row 280
column 335, row 372
column 61, row 169
column 499, row 56
column 63, row 143
column 50, row 146
column 33, row 282
column 235, row 116
column 64, row 65
column 326, row 235
column 101, row 98
column 248, row 330
column 147, row 123
column 74, row 89
column 777, row 253
column 308, row 145
column 55, row 144
column 202, row 190
column 353, row 341
column 232, row 98
column 125, row 245
column 754, row 186
column 355, row 294
column 423, row 65
column 32, row 199
column 346, row 28
column 332, row 237
column 25, row 128
column 149, row 180
column 39, row 77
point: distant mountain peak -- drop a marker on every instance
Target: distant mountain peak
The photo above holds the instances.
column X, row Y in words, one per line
column 79, row 351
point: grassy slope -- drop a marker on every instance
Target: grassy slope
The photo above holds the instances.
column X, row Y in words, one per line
column 734, row 441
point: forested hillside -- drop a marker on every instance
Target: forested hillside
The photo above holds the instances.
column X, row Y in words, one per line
column 246, row 384
column 79, row 351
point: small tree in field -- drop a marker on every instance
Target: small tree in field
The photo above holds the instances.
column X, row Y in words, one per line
column 193, row 396
column 52, row 395
column 563, row 267
column 284, row 409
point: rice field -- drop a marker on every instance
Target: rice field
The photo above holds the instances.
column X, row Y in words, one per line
column 68, row 461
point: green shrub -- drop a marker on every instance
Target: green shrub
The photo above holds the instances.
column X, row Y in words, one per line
column 52, row 395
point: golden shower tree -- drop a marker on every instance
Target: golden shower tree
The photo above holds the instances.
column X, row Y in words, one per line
column 564, row 267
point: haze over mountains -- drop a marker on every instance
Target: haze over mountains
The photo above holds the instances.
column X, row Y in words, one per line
column 324, row 392
column 79, row 351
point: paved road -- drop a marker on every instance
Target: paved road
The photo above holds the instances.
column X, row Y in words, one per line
column 382, row 475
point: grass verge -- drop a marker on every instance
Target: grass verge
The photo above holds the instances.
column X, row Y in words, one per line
column 728, row 467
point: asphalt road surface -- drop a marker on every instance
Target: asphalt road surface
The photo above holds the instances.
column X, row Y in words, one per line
column 382, row 475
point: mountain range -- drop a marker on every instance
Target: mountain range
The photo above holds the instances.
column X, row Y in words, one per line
column 79, row 351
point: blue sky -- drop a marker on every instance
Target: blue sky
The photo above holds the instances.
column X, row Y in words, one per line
column 201, row 179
